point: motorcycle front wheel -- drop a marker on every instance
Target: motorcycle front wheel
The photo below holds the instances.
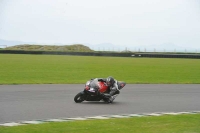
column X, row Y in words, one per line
column 79, row 97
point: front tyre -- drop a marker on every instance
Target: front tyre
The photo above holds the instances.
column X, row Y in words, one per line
column 79, row 97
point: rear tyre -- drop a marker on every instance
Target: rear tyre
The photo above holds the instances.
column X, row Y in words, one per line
column 79, row 97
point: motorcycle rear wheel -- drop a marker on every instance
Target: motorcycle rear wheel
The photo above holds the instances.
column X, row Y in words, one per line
column 79, row 98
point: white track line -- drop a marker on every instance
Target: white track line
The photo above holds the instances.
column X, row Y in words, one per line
column 96, row 117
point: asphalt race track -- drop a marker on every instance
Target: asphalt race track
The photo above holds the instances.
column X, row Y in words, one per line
column 40, row 102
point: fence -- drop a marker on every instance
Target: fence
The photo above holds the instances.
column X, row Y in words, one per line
column 126, row 49
column 115, row 54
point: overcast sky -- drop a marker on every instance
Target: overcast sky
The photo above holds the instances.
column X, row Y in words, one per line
column 120, row 22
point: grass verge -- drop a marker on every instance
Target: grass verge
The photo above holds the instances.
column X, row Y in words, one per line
column 187, row 123
column 62, row 69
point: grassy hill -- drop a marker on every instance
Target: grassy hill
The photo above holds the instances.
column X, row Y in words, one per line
column 28, row 47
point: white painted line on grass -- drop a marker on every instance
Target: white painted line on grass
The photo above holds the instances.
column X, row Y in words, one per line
column 11, row 124
column 154, row 114
column 32, row 122
column 77, row 118
column 96, row 118
column 118, row 116
column 56, row 120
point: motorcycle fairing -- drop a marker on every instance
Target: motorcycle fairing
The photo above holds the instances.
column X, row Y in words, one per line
column 102, row 87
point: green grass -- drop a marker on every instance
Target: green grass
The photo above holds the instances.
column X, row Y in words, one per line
column 162, row 124
column 63, row 69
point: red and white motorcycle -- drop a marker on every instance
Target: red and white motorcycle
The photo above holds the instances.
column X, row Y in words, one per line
column 91, row 94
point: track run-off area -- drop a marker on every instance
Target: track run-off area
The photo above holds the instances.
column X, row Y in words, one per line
column 54, row 101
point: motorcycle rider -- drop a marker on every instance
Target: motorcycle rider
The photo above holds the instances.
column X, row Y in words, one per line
column 111, row 83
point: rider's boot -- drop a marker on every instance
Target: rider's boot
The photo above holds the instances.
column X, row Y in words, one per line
column 109, row 97
column 112, row 97
column 106, row 97
column 103, row 95
column 110, row 100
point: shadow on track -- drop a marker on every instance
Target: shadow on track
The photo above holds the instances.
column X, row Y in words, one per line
column 99, row 103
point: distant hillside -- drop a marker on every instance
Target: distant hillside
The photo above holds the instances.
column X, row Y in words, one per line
column 71, row 48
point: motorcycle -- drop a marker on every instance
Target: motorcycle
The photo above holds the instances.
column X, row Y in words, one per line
column 92, row 94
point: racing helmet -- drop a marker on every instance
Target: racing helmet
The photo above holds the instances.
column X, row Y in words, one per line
column 110, row 81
